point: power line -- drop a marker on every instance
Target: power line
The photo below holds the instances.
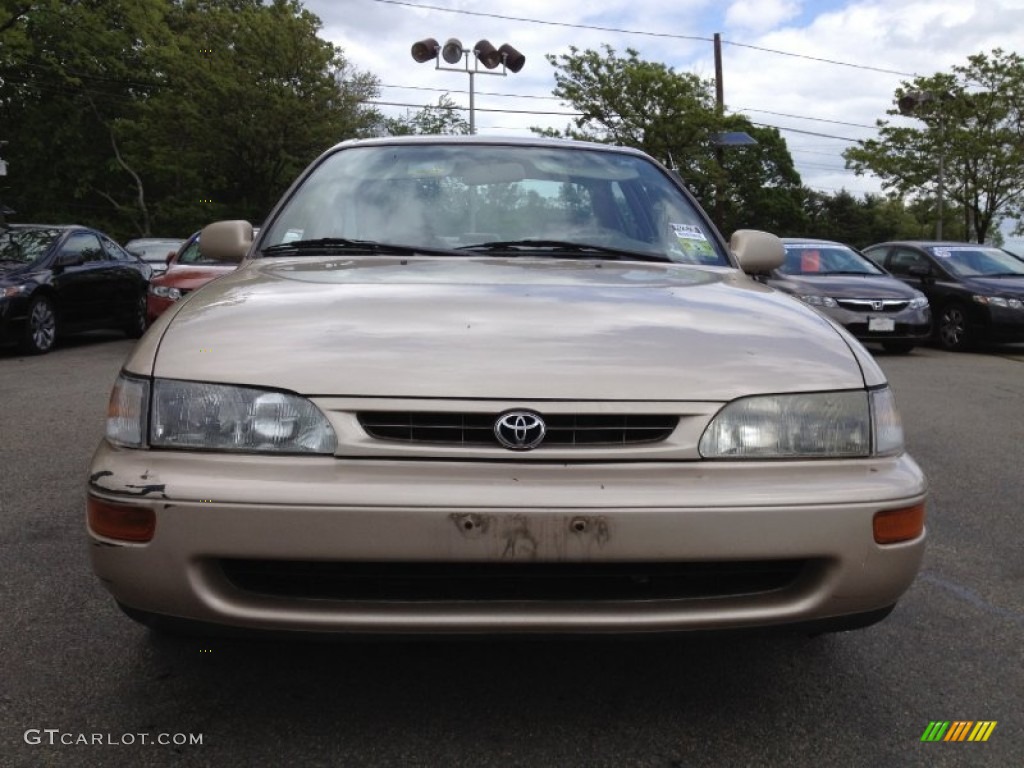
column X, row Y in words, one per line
column 801, row 117
column 460, row 11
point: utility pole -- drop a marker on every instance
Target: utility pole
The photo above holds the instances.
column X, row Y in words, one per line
column 719, row 149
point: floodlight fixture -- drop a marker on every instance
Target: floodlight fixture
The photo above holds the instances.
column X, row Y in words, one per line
column 425, row 50
column 452, row 51
column 487, row 54
column 513, row 59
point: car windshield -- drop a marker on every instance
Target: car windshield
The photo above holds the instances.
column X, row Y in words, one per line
column 510, row 200
column 978, row 261
column 154, row 250
column 25, row 245
column 825, row 259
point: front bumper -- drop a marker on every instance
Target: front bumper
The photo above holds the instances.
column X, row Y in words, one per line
column 907, row 325
column 219, row 516
column 13, row 317
column 1003, row 325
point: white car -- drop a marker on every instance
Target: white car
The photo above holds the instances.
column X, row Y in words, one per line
column 474, row 385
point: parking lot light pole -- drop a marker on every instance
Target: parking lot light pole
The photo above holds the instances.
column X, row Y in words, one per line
column 483, row 52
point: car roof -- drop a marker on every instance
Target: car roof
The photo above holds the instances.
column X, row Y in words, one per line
column 931, row 243
column 46, row 226
column 490, row 140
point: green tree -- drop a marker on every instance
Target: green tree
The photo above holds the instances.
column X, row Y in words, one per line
column 672, row 116
column 161, row 115
column 441, row 118
column 859, row 222
column 971, row 124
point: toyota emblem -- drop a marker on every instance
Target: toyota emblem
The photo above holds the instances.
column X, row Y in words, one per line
column 520, row 430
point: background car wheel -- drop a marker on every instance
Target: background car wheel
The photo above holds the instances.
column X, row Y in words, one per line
column 953, row 331
column 136, row 325
column 897, row 347
column 40, row 328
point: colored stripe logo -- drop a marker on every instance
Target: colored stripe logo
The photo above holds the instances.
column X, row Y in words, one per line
column 958, row 730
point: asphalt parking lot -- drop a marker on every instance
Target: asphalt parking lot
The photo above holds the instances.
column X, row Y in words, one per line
column 75, row 667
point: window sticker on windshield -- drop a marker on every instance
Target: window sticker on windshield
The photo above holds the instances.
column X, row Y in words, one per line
column 942, row 253
column 692, row 240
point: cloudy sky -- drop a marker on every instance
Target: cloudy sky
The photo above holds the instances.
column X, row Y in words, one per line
column 822, row 71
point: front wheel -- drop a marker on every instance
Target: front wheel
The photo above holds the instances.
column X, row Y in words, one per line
column 41, row 327
column 953, row 330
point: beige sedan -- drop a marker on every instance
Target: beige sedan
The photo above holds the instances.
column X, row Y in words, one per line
column 466, row 385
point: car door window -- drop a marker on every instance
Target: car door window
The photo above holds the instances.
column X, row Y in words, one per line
column 902, row 261
column 115, row 252
column 83, row 247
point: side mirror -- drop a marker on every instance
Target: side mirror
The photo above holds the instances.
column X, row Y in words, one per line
column 70, row 259
column 757, row 252
column 170, row 257
column 226, row 240
column 919, row 271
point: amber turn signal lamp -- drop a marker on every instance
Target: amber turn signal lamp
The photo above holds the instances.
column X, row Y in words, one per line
column 124, row 522
column 895, row 525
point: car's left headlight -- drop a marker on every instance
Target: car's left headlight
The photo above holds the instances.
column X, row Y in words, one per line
column 918, row 302
column 215, row 417
column 165, row 292
column 999, row 301
column 10, row 291
column 806, row 426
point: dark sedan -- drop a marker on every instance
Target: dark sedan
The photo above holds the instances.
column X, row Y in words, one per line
column 57, row 279
column 976, row 291
column 868, row 302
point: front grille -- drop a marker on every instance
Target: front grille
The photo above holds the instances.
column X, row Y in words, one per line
column 590, row 429
column 546, row 582
column 873, row 305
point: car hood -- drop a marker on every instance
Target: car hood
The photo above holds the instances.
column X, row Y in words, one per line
column 998, row 285
column 191, row 277
column 847, row 286
column 503, row 329
column 10, row 271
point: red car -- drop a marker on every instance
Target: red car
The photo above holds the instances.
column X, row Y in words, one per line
column 187, row 270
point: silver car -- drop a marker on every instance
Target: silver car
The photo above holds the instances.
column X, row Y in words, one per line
column 865, row 299
column 468, row 385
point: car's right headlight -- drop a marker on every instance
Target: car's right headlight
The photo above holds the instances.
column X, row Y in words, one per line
column 215, row 417
column 811, row 425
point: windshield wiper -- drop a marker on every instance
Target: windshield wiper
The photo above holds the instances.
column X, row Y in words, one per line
column 1001, row 274
column 565, row 248
column 847, row 272
column 330, row 245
